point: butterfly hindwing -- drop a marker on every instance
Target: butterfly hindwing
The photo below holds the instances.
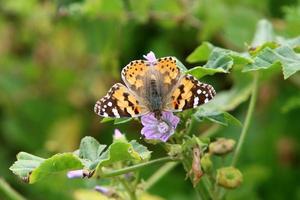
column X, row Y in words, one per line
column 190, row 93
column 119, row 102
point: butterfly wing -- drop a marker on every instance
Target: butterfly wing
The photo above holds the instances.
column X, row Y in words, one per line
column 119, row 102
column 189, row 93
column 169, row 73
column 134, row 74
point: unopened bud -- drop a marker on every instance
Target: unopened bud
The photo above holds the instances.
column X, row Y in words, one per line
column 118, row 135
column 221, row 146
column 229, row 177
column 106, row 191
column 206, row 163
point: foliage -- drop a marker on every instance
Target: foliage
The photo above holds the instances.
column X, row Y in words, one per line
column 58, row 57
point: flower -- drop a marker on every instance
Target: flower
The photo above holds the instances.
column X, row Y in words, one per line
column 75, row 174
column 159, row 129
column 118, row 134
column 81, row 173
column 150, row 57
column 102, row 190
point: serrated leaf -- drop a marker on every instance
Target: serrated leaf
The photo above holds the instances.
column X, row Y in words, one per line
column 142, row 150
column 122, row 151
column 34, row 168
column 118, row 151
column 200, row 72
column 284, row 55
column 25, row 164
column 201, row 53
column 90, row 150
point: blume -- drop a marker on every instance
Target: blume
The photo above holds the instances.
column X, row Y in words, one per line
column 160, row 129
column 118, row 134
column 75, row 174
column 102, row 190
column 109, row 192
column 150, row 57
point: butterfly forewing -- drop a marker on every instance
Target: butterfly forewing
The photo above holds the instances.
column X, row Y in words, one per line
column 134, row 74
column 170, row 72
column 119, row 102
column 190, row 93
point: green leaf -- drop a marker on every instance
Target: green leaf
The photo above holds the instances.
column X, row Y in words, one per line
column 25, row 164
column 284, row 55
column 118, row 151
column 200, row 72
column 90, row 151
column 141, row 150
column 264, row 33
column 121, row 150
column 57, row 163
column 122, row 120
column 201, row 53
column 216, row 116
column 33, row 168
column 180, row 65
column 107, row 119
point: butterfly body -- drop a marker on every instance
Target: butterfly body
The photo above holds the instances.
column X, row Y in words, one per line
column 153, row 87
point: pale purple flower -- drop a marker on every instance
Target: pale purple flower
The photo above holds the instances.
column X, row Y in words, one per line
column 161, row 129
column 150, row 57
column 102, row 190
column 107, row 191
column 75, row 174
column 118, row 134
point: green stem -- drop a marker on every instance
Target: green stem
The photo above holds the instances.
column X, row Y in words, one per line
column 247, row 121
column 135, row 167
column 8, row 192
column 159, row 174
column 130, row 191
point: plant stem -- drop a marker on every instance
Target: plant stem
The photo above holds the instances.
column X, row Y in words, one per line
column 159, row 174
column 8, row 192
column 129, row 189
column 247, row 121
column 135, row 167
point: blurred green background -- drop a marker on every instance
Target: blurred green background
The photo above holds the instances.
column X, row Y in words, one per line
column 58, row 57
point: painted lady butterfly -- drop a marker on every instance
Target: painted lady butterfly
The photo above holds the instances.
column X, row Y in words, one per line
column 153, row 86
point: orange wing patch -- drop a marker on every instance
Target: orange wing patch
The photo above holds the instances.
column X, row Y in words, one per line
column 133, row 74
column 167, row 66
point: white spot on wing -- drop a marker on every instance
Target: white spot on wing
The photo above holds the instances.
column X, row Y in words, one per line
column 109, row 104
column 206, row 100
column 116, row 113
column 199, row 91
column 196, row 101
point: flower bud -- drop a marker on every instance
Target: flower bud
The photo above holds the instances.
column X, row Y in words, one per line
column 206, row 163
column 229, row 177
column 221, row 146
column 106, row 191
column 118, row 135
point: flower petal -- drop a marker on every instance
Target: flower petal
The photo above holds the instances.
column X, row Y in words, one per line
column 149, row 119
column 150, row 57
column 171, row 118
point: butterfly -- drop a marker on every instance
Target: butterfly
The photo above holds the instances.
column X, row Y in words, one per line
column 153, row 86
